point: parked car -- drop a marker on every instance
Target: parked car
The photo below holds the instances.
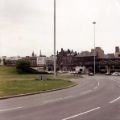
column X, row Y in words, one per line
column 90, row 74
column 50, row 72
column 107, row 73
column 72, row 72
column 116, row 74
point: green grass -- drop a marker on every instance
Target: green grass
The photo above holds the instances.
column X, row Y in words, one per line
column 7, row 70
column 25, row 86
column 12, row 83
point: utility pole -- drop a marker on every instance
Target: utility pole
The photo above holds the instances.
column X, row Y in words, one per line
column 54, row 39
column 94, row 45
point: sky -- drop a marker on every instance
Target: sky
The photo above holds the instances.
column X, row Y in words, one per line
column 28, row 25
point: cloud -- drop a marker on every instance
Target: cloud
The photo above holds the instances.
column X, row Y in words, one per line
column 28, row 24
column 21, row 10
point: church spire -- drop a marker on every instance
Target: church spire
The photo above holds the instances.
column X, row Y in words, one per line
column 40, row 53
column 33, row 54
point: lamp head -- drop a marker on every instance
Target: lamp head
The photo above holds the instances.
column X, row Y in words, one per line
column 94, row 22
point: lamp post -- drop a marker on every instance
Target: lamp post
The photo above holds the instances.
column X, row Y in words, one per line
column 54, row 39
column 94, row 45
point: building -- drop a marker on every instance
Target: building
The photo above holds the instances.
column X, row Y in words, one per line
column 117, row 49
column 85, row 53
column 110, row 55
column 99, row 52
column 10, row 61
column 31, row 59
column 69, row 60
column 36, row 61
column 41, row 60
column 50, row 63
column 117, row 52
column 66, row 60
column 1, row 61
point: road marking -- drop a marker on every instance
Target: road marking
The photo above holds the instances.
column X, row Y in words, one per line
column 86, row 92
column 68, row 97
column 58, row 99
column 114, row 100
column 71, row 96
column 10, row 109
column 53, row 100
column 98, row 84
column 74, row 116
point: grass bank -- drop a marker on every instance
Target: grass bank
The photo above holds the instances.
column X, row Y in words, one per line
column 12, row 83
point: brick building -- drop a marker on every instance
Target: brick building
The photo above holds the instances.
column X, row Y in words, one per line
column 68, row 60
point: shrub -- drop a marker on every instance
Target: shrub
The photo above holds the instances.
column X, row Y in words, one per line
column 23, row 66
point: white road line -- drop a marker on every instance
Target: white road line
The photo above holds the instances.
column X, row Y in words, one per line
column 68, row 97
column 74, row 116
column 98, row 84
column 57, row 99
column 52, row 100
column 114, row 100
column 10, row 109
column 86, row 92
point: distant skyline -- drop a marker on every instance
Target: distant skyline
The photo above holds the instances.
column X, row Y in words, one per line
column 27, row 26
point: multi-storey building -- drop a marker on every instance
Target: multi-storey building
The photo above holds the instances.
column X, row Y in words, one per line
column 99, row 52
column 117, row 52
column 68, row 60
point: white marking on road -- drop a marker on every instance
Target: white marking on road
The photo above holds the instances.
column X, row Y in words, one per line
column 98, row 84
column 74, row 116
column 53, row 100
column 114, row 100
column 68, row 97
column 86, row 92
column 57, row 99
column 10, row 109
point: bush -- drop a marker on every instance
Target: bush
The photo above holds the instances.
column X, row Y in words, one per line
column 23, row 66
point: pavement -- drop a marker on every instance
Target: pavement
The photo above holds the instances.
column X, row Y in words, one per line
column 94, row 98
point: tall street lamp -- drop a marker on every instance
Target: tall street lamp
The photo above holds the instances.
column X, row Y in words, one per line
column 94, row 46
column 54, row 39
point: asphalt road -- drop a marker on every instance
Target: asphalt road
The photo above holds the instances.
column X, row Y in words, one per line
column 94, row 98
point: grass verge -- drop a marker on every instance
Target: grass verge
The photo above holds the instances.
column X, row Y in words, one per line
column 12, row 83
column 16, row 87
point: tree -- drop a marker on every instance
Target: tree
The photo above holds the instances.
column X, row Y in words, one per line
column 23, row 66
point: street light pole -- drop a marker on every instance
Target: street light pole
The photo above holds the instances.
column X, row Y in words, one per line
column 94, row 45
column 54, row 39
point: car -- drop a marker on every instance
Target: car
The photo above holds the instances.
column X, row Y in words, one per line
column 90, row 74
column 72, row 72
column 107, row 73
column 116, row 73
column 50, row 72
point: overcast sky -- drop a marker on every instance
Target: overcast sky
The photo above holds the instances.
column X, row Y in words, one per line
column 27, row 25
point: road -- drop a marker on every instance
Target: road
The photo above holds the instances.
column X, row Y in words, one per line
column 94, row 98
